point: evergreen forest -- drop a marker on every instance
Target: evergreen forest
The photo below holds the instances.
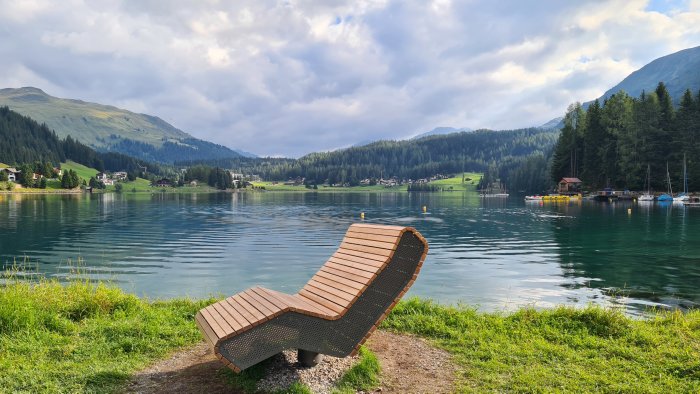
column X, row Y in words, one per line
column 614, row 143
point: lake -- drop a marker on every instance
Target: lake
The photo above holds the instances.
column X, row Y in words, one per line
column 490, row 253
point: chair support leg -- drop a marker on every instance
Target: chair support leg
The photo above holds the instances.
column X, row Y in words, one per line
column 308, row 359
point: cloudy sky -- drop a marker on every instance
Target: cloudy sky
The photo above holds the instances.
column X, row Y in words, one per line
column 291, row 77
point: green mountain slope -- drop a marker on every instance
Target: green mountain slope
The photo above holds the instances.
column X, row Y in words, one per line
column 108, row 128
column 678, row 71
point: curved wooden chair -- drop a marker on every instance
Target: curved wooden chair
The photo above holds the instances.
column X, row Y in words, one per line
column 333, row 314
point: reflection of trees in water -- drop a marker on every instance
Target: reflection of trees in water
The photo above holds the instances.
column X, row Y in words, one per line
column 50, row 230
column 39, row 222
column 645, row 254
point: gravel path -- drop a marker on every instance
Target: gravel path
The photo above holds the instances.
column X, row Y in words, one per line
column 409, row 365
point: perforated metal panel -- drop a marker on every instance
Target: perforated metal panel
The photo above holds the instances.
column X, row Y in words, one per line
column 332, row 337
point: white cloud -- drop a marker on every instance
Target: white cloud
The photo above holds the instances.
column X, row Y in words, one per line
column 293, row 77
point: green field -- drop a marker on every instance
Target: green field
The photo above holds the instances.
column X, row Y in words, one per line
column 280, row 187
column 471, row 179
column 450, row 184
column 83, row 172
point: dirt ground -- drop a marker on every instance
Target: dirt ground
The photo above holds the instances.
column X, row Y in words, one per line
column 409, row 365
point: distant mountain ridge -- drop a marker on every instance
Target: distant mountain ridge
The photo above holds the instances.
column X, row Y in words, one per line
column 108, row 128
column 678, row 71
column 441, row 131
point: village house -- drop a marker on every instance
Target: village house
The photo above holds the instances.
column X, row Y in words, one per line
column 11, row 173
column 101, row 176
column 119, row 175
column 163, row 183
column 570, row 186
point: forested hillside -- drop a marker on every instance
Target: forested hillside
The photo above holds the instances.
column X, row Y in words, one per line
column 441, row 154
column 107, row 128
column 23, row 140
column 612, row 143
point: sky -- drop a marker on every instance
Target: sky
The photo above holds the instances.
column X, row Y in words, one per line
column 286, row 78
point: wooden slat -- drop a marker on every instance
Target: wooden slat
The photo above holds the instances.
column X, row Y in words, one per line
column 242, row 312
column 375, row 231
column 344, row 274
column 341, row 301
column 363, row 255
column 359, row 266
column 332, row 290
column 257, row 315
column 230, row 323
column 356, row 286
column 206, row 313
column 367, row 249
column 369, row 242
column 372, row 237
column 257, row 305
column 361, row 260
column 377, row 226
column 274, row 310
column 237, row 322
column 352, row 291
column 352, row 270
column 222, row 318
column 278, row 304
column 320, row 300
column 208, row 331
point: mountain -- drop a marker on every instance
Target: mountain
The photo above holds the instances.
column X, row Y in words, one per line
column 441, row 131
column 25, row 141
column 108, row 128
column 678, row 71
column 556, row 123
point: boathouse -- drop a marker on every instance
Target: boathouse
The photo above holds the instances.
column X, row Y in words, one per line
column 570, row 186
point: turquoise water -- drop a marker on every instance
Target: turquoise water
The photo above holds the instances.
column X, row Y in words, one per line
column 494, row 254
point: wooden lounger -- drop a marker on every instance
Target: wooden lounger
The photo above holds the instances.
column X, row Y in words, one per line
column 333, row 314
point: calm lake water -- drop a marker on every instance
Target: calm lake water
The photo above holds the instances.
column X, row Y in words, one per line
column 493, row 254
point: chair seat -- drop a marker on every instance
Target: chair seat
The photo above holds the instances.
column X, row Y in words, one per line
column 373, row 267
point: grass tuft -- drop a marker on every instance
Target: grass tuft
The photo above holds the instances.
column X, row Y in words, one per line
column 562, row 349
column 363, row 376
column 84, row 337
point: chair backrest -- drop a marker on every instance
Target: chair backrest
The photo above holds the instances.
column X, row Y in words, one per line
column 363, row 253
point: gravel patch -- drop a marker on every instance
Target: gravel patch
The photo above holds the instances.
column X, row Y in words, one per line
column 285, row 370
column 409, row 365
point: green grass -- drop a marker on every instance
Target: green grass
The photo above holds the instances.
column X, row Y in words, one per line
column 83, row 172
column 280, row 187
column 449, row 184
column 83, row 337
column 363, row 376
column 471, row 179
column 563, row 349
column 87, row 337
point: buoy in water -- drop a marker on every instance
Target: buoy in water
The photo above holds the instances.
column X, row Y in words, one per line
column 425, row 209
column 362, row 215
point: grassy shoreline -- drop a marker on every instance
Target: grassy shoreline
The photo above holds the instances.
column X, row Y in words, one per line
column 87, row 337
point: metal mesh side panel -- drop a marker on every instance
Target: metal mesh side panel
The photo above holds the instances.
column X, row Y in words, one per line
column 333, row 337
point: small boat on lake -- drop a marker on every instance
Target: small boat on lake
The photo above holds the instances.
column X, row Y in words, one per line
column 647, row 196
column 683, row 197
column 534, row 198
column 666, row 197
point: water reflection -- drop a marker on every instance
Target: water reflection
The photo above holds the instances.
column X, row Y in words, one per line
column 493, row 253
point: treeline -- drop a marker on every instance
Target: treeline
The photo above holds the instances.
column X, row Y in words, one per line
column 26, row 141
column 414, row 159
column 611, row 144
column 189, row 149
column 213, row 176
column 266, row 167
